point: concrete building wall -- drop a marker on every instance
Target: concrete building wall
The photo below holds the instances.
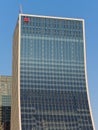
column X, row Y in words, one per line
column 15, row 94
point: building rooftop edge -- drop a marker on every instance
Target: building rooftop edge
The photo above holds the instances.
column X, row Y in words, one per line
column 43, row 16
column 5, row 76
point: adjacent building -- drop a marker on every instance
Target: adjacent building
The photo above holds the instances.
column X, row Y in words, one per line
column 50, row 88
column 5, row 102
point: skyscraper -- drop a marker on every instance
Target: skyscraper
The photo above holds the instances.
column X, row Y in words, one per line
column 5, row 102
column 50, row 89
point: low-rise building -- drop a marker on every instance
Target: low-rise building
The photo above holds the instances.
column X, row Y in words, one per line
column 5, row 102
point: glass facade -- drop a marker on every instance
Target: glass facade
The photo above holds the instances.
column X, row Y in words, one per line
column 53, row 92
column 5, row 102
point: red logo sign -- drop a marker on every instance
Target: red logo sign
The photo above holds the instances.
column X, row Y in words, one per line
column 26, row 19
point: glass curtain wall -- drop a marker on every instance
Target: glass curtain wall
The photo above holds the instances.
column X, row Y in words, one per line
column 52, row 75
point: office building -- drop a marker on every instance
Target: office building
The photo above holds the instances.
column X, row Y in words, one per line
column 5, row 102
column 50, row 89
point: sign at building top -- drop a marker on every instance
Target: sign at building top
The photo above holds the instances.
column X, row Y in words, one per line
column 26, row 19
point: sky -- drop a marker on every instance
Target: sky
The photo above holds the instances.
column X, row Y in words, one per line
column 86, row 9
